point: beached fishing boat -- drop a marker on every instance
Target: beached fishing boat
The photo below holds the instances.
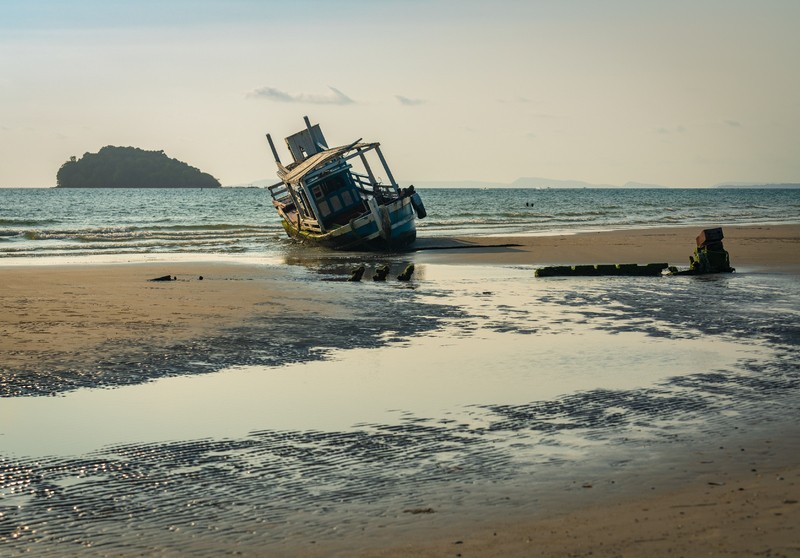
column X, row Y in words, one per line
column 332, row 196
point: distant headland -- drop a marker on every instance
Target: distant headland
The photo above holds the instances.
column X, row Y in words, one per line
column 131, row 167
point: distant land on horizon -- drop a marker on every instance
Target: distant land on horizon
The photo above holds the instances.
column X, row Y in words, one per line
column 131, row 167
column 773, row 186
column 538, row 182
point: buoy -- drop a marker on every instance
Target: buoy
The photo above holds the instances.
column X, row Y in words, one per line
column 419, row 207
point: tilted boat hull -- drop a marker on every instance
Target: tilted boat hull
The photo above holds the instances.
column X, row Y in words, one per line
column 333, row 197
column 366, row 232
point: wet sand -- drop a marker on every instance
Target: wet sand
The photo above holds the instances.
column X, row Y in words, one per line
column 738, row 498
column 66, row 307
column 62, row 317
column 774, row 247
column 55, row 315
column 722, row 505
column 722, row 501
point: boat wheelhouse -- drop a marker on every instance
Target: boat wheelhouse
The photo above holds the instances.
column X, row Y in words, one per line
column 338, row 198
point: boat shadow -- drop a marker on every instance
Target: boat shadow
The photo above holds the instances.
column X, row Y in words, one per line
column 447, row 243
column 339, row 265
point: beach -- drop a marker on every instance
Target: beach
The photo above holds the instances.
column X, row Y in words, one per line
column 738, row 500
column 698, row 457
column 416, row 303
column 775, row 247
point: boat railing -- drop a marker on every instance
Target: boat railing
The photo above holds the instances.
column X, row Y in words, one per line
column 312, row 225
column 362, row 182
column 366, row 186
column 280, row 193
column 387, row 191
column 303, row 222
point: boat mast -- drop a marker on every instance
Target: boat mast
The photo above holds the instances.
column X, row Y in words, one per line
column 281, row 168
column 274, row 151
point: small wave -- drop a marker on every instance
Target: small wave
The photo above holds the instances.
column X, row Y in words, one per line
column 25, row 222
column 595, row 213
column 209, row 227
column 154, row 233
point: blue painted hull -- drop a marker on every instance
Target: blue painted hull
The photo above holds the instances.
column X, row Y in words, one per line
column 393, row 229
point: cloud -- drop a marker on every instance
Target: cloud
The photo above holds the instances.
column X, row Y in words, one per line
column 409, row 102
column 665, row 131
column 273, row 94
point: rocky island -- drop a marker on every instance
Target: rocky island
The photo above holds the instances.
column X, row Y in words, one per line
column 131, row 167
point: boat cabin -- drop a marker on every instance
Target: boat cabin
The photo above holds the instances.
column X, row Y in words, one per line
column 325, row 188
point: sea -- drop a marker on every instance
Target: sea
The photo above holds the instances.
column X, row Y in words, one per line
column 38, row 222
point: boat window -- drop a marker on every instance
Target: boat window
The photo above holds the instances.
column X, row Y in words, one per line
column 333, row 184
column 336, row 197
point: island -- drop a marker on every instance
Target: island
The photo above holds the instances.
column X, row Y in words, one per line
column 131, row 167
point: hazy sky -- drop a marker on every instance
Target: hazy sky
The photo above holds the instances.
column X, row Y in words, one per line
column 681, row 93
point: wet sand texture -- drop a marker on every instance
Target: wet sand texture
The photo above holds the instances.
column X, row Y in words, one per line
column 57, row 315
column 756, row 247
column 728, row 505
column 65, row 327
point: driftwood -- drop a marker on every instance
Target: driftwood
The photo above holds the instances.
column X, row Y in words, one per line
column 164, row 278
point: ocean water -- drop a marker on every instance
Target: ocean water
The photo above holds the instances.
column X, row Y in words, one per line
column 49, row 222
